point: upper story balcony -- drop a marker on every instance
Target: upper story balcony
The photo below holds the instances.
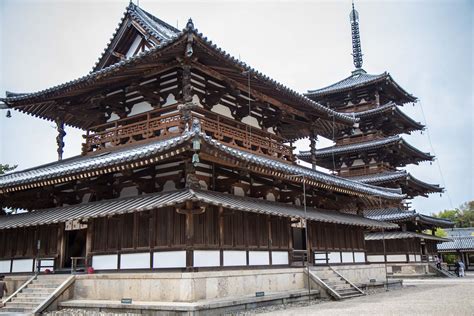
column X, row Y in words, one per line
column 169, row 122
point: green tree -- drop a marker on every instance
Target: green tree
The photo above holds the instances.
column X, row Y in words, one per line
column 463, row 216
column 6, row 168
column 3, row 170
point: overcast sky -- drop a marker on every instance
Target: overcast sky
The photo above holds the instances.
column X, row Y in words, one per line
column 425, row 45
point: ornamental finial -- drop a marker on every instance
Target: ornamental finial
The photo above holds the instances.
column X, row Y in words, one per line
column 190, row 24
column 356, row 49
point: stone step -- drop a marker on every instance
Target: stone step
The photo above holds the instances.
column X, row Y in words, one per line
column 42, row 286
column 38, row 290
column 28, row 300
column 15, row 310
column 21, row 305
column 33, row 296
column 348, row 292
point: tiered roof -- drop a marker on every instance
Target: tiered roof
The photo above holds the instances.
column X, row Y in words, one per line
column 360, row 79
column 81, row 167
column 403, row 235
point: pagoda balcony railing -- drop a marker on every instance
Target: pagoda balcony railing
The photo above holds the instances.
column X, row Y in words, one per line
column 168, row 122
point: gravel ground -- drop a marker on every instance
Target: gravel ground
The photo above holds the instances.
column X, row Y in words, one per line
column 419, row 297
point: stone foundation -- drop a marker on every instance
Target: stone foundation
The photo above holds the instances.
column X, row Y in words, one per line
column 362, row 273
column 186, row 287
column 409, row 269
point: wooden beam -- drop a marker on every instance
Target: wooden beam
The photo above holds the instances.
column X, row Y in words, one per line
column 257, row 94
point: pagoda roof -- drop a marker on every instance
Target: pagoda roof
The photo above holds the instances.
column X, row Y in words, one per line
column 46, row 103
column 149, row 25
column 366, row 146
column 359, row 78
column 402, row 177
column 397, row 215
column 81, row 167
column 389, row 108
column 152, row 201
column 402, row 235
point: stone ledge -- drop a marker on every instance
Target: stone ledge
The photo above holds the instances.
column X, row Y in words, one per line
column 243, row 302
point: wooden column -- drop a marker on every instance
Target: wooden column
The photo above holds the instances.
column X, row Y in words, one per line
column 221, row 235
column 269, row 225
column 61, row 246
column 60, row 137
column 89, row 238
column 313, row 138
column 190, row 210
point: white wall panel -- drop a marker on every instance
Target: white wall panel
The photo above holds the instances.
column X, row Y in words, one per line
column 169, row 259
column 279, row 257
column 347, row 257
column 207, row 258
column 334, row 257
column 417, row 257
column 379, row 258
column 359, row 256
column 46, row 262
column 396, row 258
column 5, row 266
column 411, row 258
column 259, row 258
column 235, row 258
column 105, row 262
column 22, row 265
column 135, row 261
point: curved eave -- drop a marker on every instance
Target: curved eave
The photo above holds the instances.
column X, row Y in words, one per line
column 366, row 146
column 434, row 221
column 327, row 91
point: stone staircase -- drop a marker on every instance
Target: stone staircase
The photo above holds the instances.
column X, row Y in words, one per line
column 33, row 295
column 442, row 272
column 334, row 283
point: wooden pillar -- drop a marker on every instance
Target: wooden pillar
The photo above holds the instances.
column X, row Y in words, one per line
column 60, row 137
column 221, row 235
column 61, row 246
column 269, row 225
column 313, row 138
column 89, row 239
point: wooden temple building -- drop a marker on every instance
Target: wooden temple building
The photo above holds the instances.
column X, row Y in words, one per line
column 188, row 163
column 374, row 153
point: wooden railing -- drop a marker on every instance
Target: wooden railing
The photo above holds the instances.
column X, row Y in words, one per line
column 168, row 122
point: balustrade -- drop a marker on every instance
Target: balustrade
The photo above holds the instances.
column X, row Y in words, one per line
column 168, row 122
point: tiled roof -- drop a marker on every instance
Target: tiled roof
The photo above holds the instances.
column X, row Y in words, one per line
column 461, row 232
column 393, row 214
column 392, row 176
column 364, row 146
column 358, row 78
column 88, row 163
column 389, row 107
column 163, row 199
column 402, row 235
column 154, row 26
column 457, row 243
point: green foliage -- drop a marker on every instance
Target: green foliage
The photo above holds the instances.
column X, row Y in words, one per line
column 6, row 168
column 463, row 216
column 439, row 232
column 449, row 258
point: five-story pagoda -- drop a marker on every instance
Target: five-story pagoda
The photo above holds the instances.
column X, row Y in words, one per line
column 374, row 152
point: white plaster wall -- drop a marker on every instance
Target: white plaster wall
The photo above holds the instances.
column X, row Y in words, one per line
column 258, row 258
column 22, row 265
column 347, row 257
column 141, row 107
column 169, row 259
column 334, row 257
column 135, row 261
column 250, row 120
column 359, row 256
column 279, row 257
column 235, row 258
column 222, row 110
column 396, row 258
column 411, row 258
column 105, row 262
column 206, row 258
column 375, row 258
column 5, row 266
